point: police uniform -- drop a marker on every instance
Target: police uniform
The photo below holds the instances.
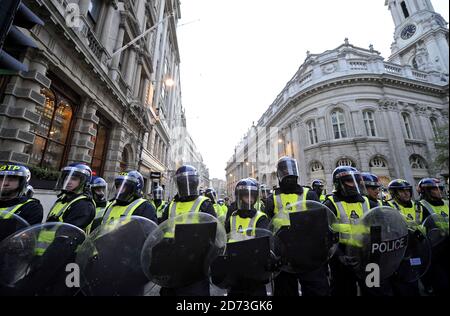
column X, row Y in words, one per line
column 313, row 283
column 29, row 209
column 137, row 207
column 159, row 206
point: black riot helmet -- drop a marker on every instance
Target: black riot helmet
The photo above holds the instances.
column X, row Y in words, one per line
column 187, row 179
column 158, row 193
column 246, row 194
column 317, row 186
column 14, row 180
column 397, row 185
column 287, row 171
column 348, row 181
column 211, row 194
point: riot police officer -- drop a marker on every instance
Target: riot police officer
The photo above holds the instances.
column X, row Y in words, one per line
column 349, row 203
column 313, row 283
column 244, row 221
column 128, row 198
column 99, row 190
column 432, row 202
column 317, row 186
column 74, row 204
column 401, row 192
column 158, row 201
column 373, row 188
column 14, row 180
column 211, row 194
column 188, row 200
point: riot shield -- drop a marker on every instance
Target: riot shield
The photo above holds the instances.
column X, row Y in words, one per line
column 380, row 241
column 10, row 223
column 307, row 236
column 251, row 258
column 181, row 250
column 436, row 228
column 39, row 259
column 110, row 258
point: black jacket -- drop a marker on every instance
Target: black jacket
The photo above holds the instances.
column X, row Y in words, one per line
column 263, row 221
column 80, row 214
column 146, row 210
column 205, row 207
column 424, row 210
column 32, row 211
column 311, row 195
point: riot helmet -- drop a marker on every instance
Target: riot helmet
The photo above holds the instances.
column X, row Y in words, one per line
column 14, row 180
column 158, row 193
column 317, row 186
column 431, row 189
column 348, row 181
column 74, row 178
column 211, row 194
column 246, row 194
column 287, row 171
column 128, row 185
column 187, row 180
column 372, row 184
column 400, row 190
column 99, row 189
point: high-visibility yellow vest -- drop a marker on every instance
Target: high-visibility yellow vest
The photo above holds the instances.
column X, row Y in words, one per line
column 441, row 210
column 180, row 208
column 115, row 212
column 218, row 209
column 412, row 214
column 12, row 209
column 322, row 198
column 244, row 226
column 99, row 213
column 348, row 215
column 59, row 208
column 286, row 202
column 159, row 209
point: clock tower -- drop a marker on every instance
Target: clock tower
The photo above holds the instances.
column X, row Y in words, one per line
column 420, row 36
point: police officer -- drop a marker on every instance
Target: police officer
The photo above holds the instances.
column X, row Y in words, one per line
column 431, row 202
column 313, row 283
column 317, row 186
column 158, row 201
column 99, row 190
column 188, row 200
column 128, row 199
column 74, row 204
column 211, row 194
column 349, row 203
column 14, row 180
column 373, row 188
column 244, row 221
column 401, row 192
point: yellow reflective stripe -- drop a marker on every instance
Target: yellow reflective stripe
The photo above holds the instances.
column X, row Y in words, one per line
column 45, row 238
column 13, row 209
column 59, row 208
column 122, row 211
column 289, row 198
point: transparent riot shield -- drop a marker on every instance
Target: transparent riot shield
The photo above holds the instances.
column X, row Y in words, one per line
column 10, row 223
column 39, row 260
column 308, row 238
column 110, row 258
column 180, row 251
column 379, row 242
column 436, row 228
column 252, row 258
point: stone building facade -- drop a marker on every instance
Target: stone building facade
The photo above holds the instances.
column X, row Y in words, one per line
column 348, row 106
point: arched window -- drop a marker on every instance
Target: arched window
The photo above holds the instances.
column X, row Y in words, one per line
column 124, row 160
column 417, row 162
column 434, row 127
column 338, row 122
column 312, row 132
column 407, row 124
column 316, row 166
column 369, row 123
column 52, row 131
column 378, row 162
column 345, row 162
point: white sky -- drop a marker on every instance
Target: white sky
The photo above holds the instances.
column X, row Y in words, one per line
column 241, row 53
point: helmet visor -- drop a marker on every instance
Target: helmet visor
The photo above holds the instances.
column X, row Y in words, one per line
column 158, row 194
column 187, row 184
column 246, row 197
column 99, row 191
column 11, row 186
column 125, row 188
column 287, row 168
column 351, row 183
column 72, row 180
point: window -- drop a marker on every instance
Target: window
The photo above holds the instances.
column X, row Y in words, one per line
column 52, row 131
column 101, row 143
column 378, row 162
column 312, row 132
column 345, row 162
column 316, row 166
column 407, row 123
column 404, row 9
column 369, row 123
column 124, row 160
column 414, row 64
column 94, row 10
column 338, row 122
column 434, row 127
column 417, row 162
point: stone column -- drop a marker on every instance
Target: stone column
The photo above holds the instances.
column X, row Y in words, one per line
column 82, row 146
column 137, row 78
column 114, row 68
column 114, row 151
column 18, row 110
column 131, row 63
column 106, row 29
column 300, row 125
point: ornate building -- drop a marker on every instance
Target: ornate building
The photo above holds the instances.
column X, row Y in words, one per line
column 347, row 106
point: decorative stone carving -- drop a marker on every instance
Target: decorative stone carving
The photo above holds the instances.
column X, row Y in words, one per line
column 329, row 68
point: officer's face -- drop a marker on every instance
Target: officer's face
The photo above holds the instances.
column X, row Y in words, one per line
column 9, row 183
column 436, row 193
column 350, row 183
column 73, row 183
column 404, row 195
column 373, row 192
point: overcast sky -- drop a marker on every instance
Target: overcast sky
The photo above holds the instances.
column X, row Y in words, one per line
column 237, row 55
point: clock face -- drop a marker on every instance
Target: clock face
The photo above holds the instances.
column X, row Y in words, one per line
column 408, row 31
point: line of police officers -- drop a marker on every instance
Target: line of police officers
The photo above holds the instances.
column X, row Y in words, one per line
column 82, row 202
